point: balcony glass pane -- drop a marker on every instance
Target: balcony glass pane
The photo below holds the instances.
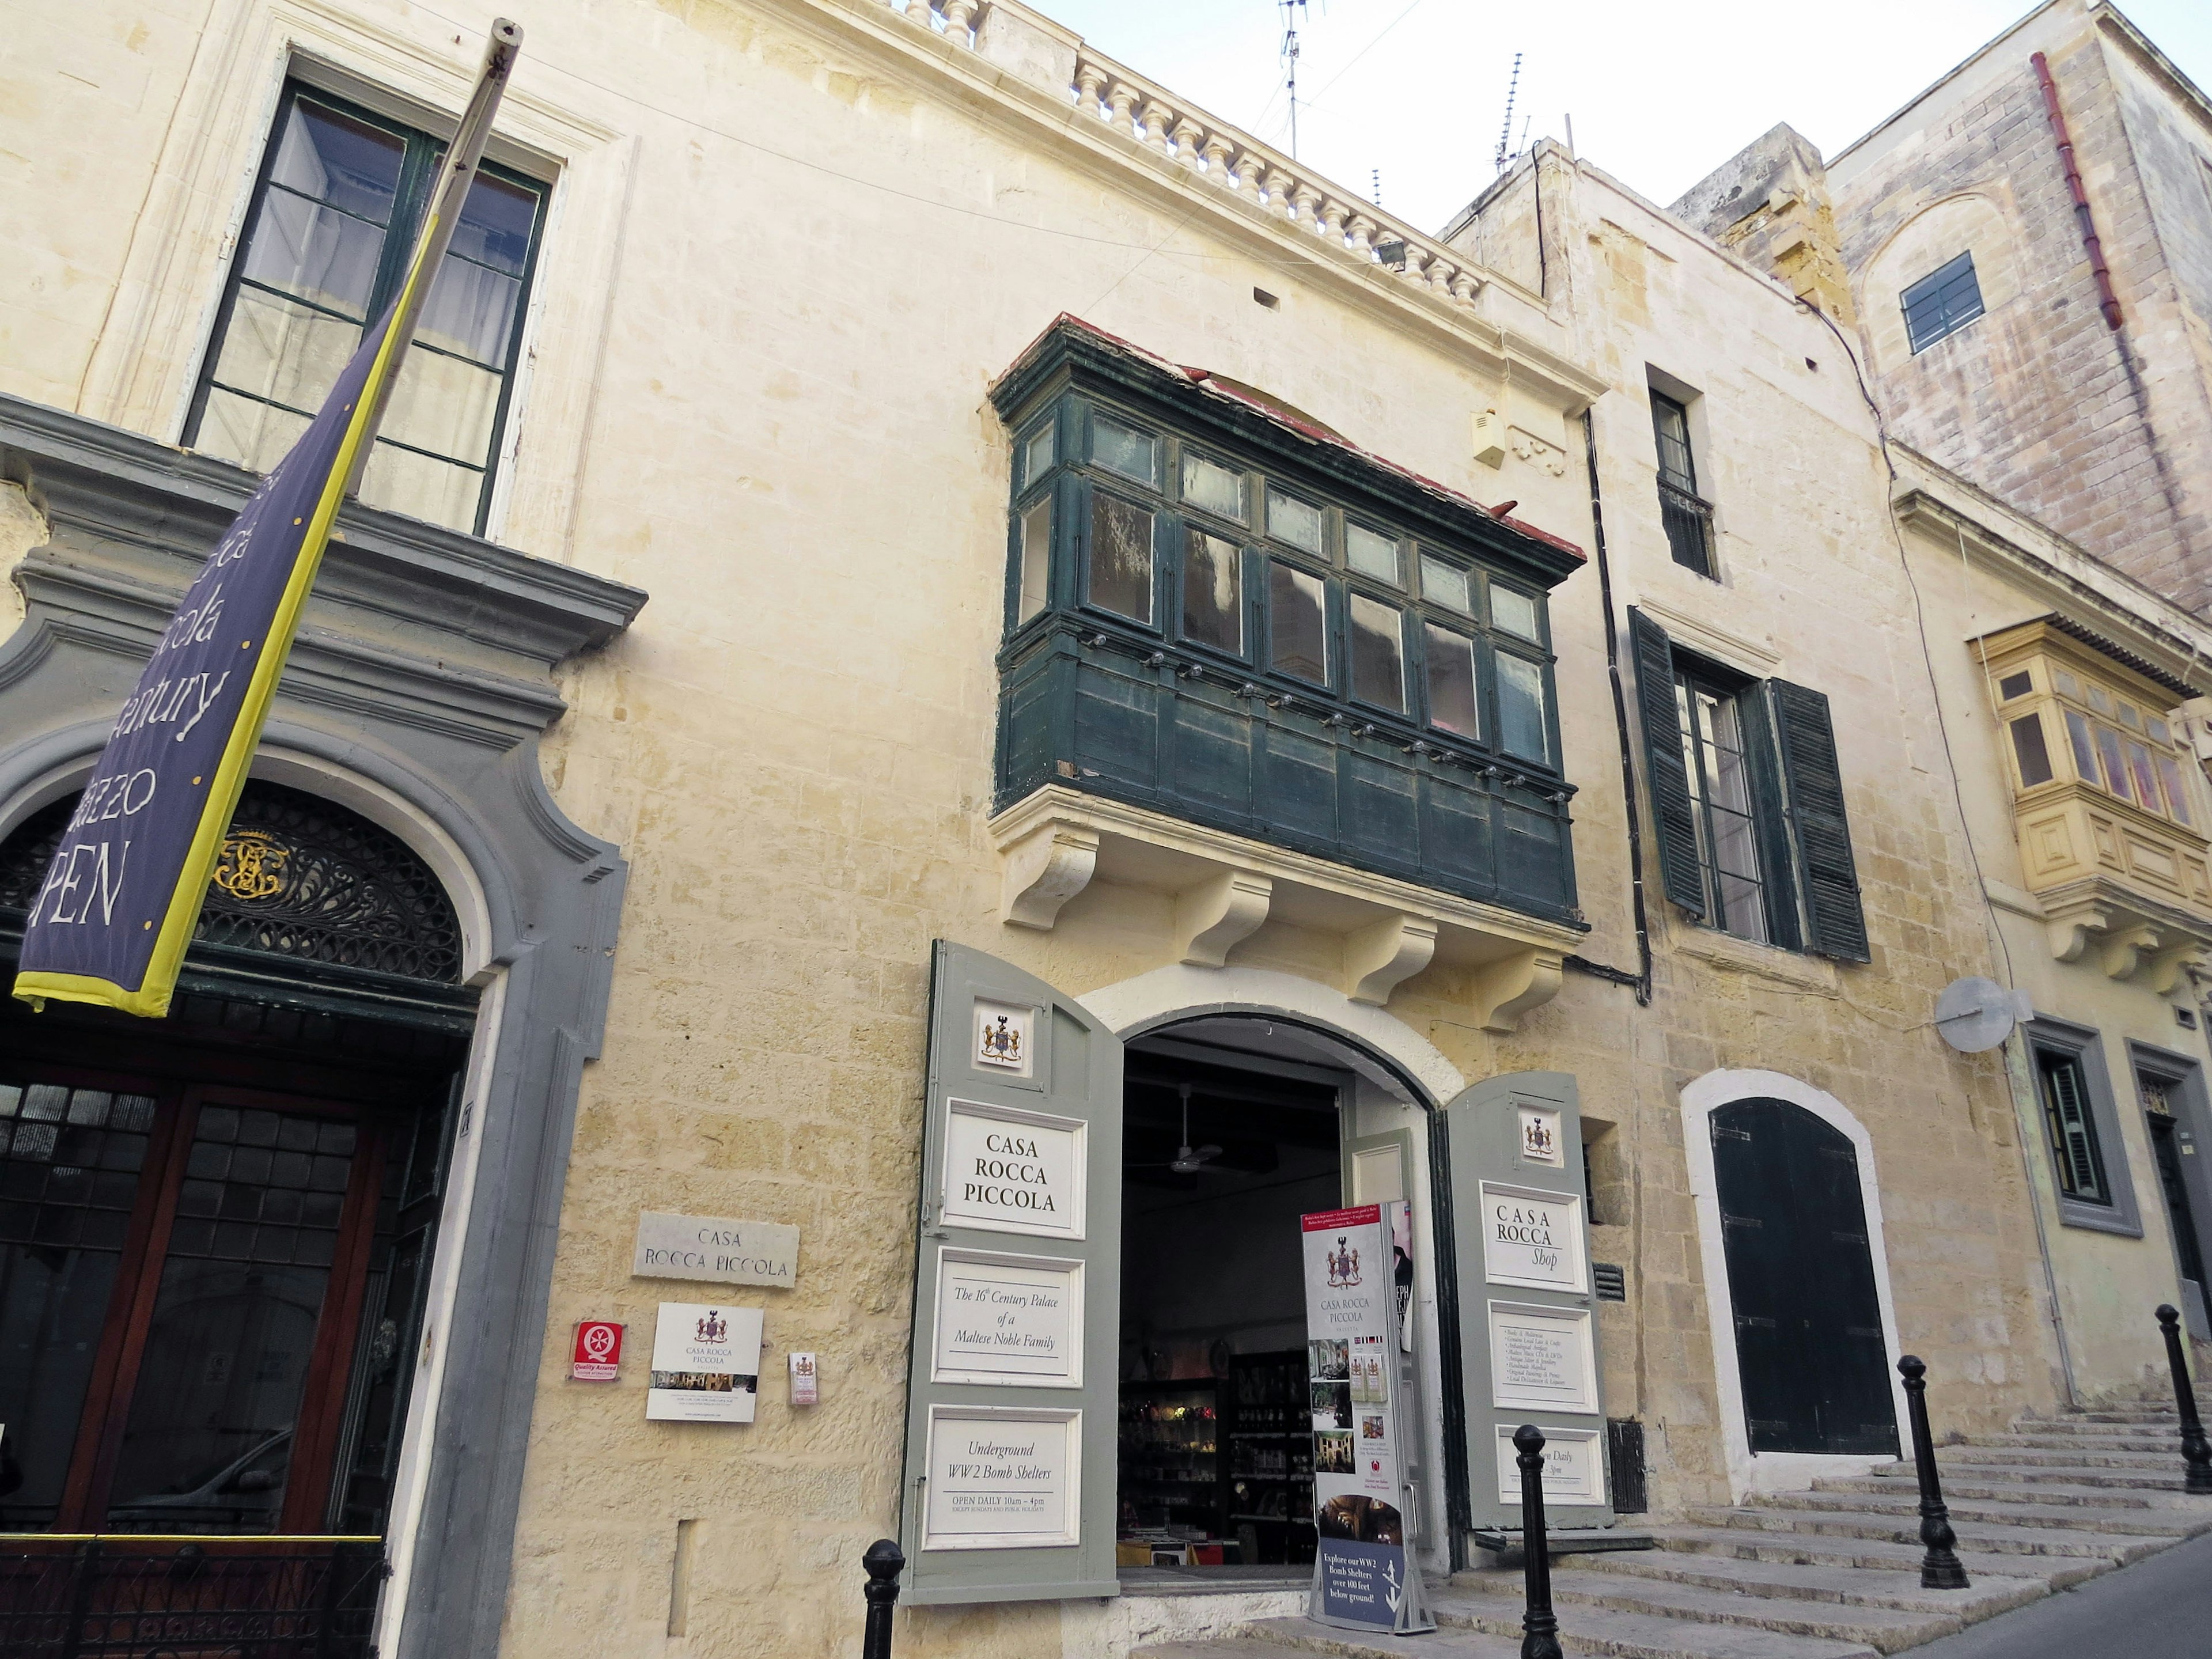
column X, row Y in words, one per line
column 1038, row 454
column 1515, row 612
column 2085, row 756
column 1121, row 558
column 1378, row 670
column 1452, row 704
column 1036, row 562
column 2140, row 774
column 1297, row 624
column 1445, row 585
column 2028, row 747
column 1372, row 555
column 2116, row 770
column 1294, row 521
column 1124, row 450
column 2177, row 798
column 1212, row 592
column 1213, row 487
column 1521, row 725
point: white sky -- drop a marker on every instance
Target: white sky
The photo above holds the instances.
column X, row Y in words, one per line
column 1661, row 91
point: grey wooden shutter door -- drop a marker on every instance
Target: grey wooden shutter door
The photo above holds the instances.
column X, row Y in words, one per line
column 1003, row 1132
column 1674, row 825
column 1835, row 923
column 2075, row 1131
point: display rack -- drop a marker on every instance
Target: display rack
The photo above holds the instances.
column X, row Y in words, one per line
column 1171, row 1464
column 1267, row 1424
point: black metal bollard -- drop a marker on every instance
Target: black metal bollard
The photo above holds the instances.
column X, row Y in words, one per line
column 1940, row 1568
column 2196, row 1451
column 1540, row 1625
column 884, row 1562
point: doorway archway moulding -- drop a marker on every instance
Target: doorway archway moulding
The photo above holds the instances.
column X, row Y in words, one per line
column 1180, row 992
column 1759, row 1472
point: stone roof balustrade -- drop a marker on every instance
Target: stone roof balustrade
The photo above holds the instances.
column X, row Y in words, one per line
column 1185, row 136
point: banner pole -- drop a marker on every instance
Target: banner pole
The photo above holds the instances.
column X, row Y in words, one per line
column 457, row 172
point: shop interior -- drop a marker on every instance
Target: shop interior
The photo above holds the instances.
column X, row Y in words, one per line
column 1219, row 1160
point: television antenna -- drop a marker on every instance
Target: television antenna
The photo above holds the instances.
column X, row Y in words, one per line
column 1293, row 11
column 1505, row 131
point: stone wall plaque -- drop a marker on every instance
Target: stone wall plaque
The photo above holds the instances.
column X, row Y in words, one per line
column 1542, row 1359
column 1008, row 1318
column 715, row 1247
column 1002, row 1479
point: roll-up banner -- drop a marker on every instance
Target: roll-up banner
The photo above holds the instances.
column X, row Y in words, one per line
column 1365, row 1573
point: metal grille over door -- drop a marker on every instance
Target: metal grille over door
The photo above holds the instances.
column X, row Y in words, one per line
column 1808, row 1336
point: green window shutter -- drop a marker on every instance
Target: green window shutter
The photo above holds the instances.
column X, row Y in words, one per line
column 2073, row 1137
column 1755, row 709
column 1835, row 923
column 1674, row 822
column 1024, row 1104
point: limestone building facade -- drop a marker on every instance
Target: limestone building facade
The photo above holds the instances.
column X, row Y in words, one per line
column 927, row 589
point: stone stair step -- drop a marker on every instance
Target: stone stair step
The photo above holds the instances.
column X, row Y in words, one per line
column 1587, row 1629
column 1275, row 1638
column 1845, row 1552
column 1898, row 1526
column 2082, row 1457
column 2162, row 1522
column 1992, row 1592
column 2132, row 1492
column 2101, row 1422
column 2117, row 1440
column 1885, row 1630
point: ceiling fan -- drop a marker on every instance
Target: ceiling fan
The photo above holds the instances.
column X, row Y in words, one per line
column 1188, row 1159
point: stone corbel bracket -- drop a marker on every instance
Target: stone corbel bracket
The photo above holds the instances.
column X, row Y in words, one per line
column 1214, row 917
column 1382, row 956
column 1045, row 869
column 1503, row 991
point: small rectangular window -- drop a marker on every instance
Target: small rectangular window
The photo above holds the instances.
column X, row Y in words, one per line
column 2099, row 701
column 2157, row 731
column 2067, row 684
column 1670, row 427
column 1038, row 454
column 1719, row 766
column 1121, row 558
column 2079, row 1160
column 1297, row 622
column 2028, row 747
column 1212, row 591
column 1213, row 487
column 2116, row 770
column 2129, row 718
column 1942, row 302
column 2177, row 801
column 1452, row 705
column 1445, row 585
column 1378, row 669
column 2016, row 685
column 1521, row 723
column 1515, row 613
column 2084, row 754
column 1124, row 450
column 1372, row 555
column 1036, row 562
column 1294, row 521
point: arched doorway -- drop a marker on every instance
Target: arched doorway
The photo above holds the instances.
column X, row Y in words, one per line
column 1810, row 1350
column 217, row 1228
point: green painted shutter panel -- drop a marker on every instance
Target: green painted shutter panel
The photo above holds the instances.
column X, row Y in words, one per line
column 1777, row 862
column 2078, row 1139
column 1835, row 922
column 1017, row 1308
column 1674, row 820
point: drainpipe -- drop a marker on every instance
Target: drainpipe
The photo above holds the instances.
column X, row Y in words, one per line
column 2108, row 301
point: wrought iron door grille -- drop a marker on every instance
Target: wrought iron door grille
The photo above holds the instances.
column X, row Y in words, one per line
column 1689, row 523
column 114, row 1597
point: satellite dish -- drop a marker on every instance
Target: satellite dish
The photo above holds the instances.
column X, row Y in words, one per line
column 1975, row 1015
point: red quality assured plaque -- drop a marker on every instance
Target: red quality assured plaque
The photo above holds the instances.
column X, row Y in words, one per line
column 597, row 1358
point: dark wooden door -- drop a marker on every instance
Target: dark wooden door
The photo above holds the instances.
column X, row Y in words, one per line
column 1808, row 1338
column 2165, row 1142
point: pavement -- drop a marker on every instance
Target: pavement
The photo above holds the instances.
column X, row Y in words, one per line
column 2158, row 1608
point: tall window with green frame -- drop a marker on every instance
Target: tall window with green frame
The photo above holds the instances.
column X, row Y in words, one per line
column 341, row 195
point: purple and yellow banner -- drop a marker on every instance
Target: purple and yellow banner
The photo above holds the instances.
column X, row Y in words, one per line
column 122, row 896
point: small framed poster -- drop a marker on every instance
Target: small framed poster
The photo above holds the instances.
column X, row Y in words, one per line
column 1572, row 1470
column 706, row 1364
column 1008, row 1318
column 1011, row 1170
column 1002, row 1479
column 1542, row 1359
column 1533, row 1238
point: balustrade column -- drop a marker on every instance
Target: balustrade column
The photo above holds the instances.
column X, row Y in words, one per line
column 1154, row 118
column 1182, row 142
column 1304, row 200
column 1332, row 220
column 1362, row 236
column 1089, row 78
column 957, row 14
column 1215, row 151
column 1122, row 100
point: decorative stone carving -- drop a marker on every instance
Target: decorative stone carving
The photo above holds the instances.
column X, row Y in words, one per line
column 1381, row 956
column 1508, row 989
column 1045, row 869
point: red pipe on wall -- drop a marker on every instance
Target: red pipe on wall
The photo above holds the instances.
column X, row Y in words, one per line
column 2109, row 300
